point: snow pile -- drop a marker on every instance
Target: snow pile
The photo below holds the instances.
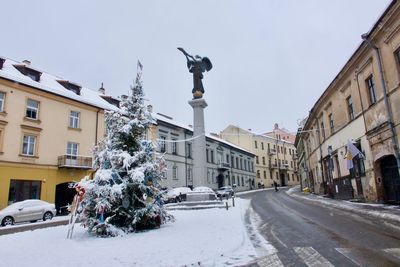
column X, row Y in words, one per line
column 213, row 237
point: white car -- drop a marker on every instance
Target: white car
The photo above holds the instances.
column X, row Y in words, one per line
column 29, row 210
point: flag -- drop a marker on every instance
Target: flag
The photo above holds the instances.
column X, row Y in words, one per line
column 139, row 66
column 352, row 152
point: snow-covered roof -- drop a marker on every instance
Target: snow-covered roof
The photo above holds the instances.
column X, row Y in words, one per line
column 49, row 83
column 159, row 117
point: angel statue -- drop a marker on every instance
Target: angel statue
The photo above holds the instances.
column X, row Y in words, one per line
column 197, row 65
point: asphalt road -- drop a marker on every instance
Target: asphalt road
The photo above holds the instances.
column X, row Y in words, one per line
column 310, row 234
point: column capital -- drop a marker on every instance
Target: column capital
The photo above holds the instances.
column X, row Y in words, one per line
column 200, row 102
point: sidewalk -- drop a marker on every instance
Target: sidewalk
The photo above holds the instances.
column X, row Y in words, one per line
column 380, row 211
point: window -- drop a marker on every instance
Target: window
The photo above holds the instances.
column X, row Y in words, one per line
column 257, row 160
column 233, row 162
column 23, row 189
column 265, row 174
column 189, row 150
column 331, row 125
column 258, row 174
column 72, row 150
column 293, row 177
column 32, row 109
column 175, row 172
column 255, row 144
column 212, row 156
column 174, row 147
column 241, row 164
column 262, row 145
column 371, row 89
column 242, row 181
column 237, row 163
column 2, row 98
column 263, row 160
column 74, row 119
column 227, row 158
column 323, row 130
column 72, row 154
column 162, row 144
column 28, row 146
column 350, row 110
column 207, row 158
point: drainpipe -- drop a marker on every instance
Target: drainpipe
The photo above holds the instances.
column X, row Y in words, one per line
column 186, row 164
column 387, row 104
column 97, row 127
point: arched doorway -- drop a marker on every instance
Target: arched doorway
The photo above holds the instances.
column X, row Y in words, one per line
column 64, row 197
column 390, row 179
column 220, row 180
column 283, row 180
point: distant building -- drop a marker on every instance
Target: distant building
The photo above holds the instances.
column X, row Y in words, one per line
column 361, row 105
column 227, row 163
column 276, row 159
column 48, row 126
column 281, row 134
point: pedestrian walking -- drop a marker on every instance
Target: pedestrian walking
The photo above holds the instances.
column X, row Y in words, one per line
column 276, row 186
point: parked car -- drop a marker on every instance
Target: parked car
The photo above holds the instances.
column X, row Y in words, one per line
column 30, row 210
column 225, row 191
column 175, row 195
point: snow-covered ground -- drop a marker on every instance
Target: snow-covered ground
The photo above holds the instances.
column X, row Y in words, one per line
column 211, row 237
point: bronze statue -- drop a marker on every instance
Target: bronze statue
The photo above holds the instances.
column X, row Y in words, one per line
column 197, row 65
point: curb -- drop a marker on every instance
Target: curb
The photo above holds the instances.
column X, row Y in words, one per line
column 379, row 215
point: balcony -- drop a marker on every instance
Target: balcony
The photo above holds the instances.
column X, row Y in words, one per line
column 74, row 162
column 295, row 156
column 272, row 152
column 273, row 166
column 284, row 166
column 223, row 166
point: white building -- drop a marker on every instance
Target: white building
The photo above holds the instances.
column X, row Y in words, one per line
column 227, row 164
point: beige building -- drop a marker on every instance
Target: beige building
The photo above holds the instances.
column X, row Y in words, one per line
column 362, row 105
column 275, row 158
column 48, row 127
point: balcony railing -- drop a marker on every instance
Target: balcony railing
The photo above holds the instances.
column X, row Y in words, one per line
column 273, row 166
column 223, row 166
column 272, row 152
column 76, row 162
column 284, row 166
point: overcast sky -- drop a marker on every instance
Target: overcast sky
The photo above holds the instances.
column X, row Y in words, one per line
column 272, row 59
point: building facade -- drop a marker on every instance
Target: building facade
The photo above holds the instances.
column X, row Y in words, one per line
column 275, row 159
column 227, row 164
column 48, row 127
column 361, row 105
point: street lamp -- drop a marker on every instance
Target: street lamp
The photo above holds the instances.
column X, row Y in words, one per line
column 364, row 37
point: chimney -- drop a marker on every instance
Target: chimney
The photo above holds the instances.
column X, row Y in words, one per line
column 26, row 62
column 150, row 108
column 276, row 127
column 102, row 90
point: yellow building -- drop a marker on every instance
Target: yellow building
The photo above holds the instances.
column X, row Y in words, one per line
column 275, row 158
column 361, row 105
column 48, row 127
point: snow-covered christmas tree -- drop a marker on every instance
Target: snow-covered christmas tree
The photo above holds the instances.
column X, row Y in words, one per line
column 124, row 194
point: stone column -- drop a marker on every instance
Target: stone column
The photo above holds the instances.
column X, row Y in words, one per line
column 199, row 144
